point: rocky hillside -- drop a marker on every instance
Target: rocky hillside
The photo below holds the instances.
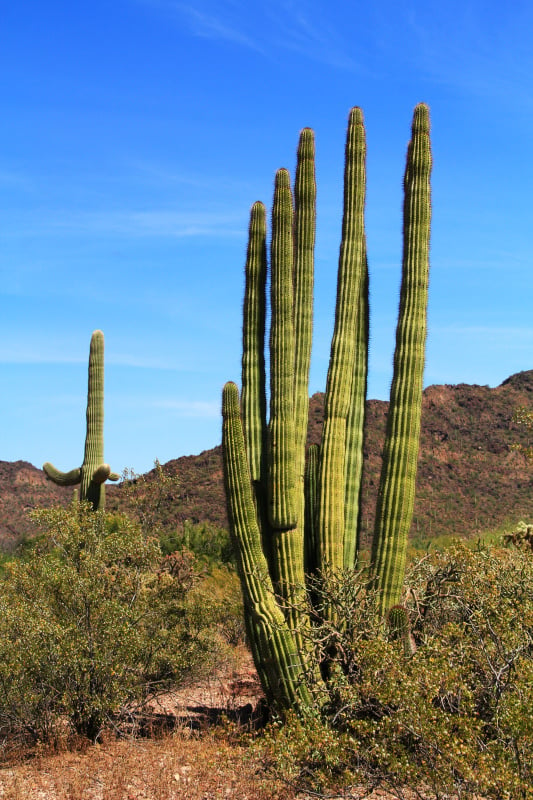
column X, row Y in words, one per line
column 469, row 479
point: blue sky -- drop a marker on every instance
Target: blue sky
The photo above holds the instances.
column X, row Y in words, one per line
column 137, row 133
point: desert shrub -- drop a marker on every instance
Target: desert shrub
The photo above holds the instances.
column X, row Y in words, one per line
column 520, row 536
column 149, row 499
column 221, row 586
column 454, row 718
column 524, row 416
column 209, row 543
column 93, row 621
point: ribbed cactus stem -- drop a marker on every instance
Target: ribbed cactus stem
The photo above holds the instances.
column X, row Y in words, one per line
column 93, row 472
column 285, row 487
column 304, row 260
column 93, row 457
column 277, row 660
column 400, row 457
column 355, row 431
column 338, row 400
column 283, row 511
column 253, row 400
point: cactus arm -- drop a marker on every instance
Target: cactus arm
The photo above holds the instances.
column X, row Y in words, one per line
column 281, row 480
column 101, row 474
column 397, row 484
column 355, row 432
column 285, row 490
column 253, row 397
column 304, row 239
column 277, row 660
column 62, row 478
column 341, row 371
column 95, row 491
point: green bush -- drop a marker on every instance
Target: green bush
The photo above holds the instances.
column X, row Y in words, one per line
column 149, row 498
column 93, row 621
column 454, row 718
column 209, row 543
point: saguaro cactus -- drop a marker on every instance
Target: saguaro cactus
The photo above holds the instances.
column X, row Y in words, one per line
column 93, row 472
column 289, row 517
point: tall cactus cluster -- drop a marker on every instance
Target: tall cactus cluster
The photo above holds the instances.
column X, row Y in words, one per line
column 93, row 473
column 292, row 513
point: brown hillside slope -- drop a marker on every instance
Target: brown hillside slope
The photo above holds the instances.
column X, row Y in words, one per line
column 469, row 479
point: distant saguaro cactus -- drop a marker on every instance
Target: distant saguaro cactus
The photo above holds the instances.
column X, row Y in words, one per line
column 93, row 472
column 289, row 518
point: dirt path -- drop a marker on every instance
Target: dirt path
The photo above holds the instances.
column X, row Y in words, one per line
column 197, row 761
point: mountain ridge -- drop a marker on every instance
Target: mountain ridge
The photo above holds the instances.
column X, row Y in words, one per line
column 469, row 479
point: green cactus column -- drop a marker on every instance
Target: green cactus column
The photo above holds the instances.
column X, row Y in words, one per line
column 93, row 472
column 304, row 262
column 396, row 495
column 253, row 400
column 344, row 402
column 282, row 502
column 273, row 646
column 275, row 452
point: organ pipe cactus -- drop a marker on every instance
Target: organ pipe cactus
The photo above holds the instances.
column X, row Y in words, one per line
column 290, row 516
column 93, row 472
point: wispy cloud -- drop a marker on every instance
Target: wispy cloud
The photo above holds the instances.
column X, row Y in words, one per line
column 213, row 27
column 302, row 28
column 140, row 362
column 293, row 25
column 463, row 46
column 189, row 408
column 161, row 223
column 53, row 354
column 146, row 171
column 33, row 355
column 15, row 180
column 156, row 223
column 498, row 333
column 176, row 406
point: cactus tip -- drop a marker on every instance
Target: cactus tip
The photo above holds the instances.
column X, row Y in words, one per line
column 306, row 143
column 421, row 118
column 356, row 116
column 230, row 398
column 283, row 180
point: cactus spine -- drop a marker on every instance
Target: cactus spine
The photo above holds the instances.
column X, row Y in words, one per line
column 93, row 472
column 283, row 524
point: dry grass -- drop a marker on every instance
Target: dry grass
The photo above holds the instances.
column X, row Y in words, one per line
column 185, row 765
column 200, row 760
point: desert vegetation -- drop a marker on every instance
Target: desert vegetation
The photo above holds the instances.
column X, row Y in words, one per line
column 101, row 631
